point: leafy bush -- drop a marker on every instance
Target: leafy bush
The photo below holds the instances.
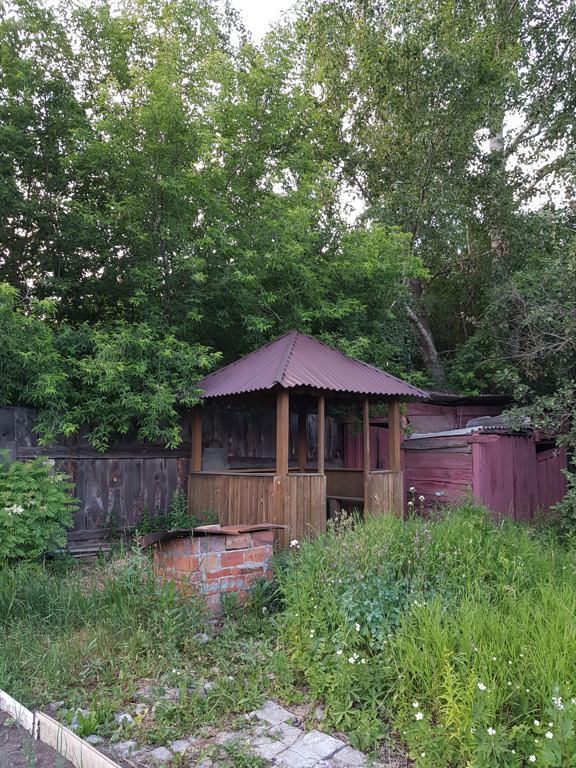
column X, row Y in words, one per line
column 115, row 378
column 35, row 508
column 458, row 631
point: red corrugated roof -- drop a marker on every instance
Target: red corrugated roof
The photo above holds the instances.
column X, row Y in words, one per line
column 298, row 360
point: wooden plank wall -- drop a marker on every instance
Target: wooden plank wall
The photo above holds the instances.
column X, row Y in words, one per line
column 506, row 474
column 297, row 501
column 387, row 492
column 237, row 499
column 438, row 468
column 552, row 484
column 116, row 488
column 301, row 506
column 134, row 478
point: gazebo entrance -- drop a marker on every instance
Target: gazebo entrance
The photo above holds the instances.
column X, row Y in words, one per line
column 296, row 370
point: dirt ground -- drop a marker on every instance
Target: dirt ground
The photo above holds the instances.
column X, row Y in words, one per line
column 19, row 750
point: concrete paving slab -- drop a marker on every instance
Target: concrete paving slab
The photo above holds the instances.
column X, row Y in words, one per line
column 271, row 713
column 292, row 759
column 349, row 758
column 318, row 745
column 265, row 747
column 226, row 736
column 285, row 733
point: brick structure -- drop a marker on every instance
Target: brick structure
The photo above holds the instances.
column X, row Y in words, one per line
column 229, row 559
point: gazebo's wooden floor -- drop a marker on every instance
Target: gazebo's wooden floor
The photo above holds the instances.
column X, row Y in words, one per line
column 298, row 500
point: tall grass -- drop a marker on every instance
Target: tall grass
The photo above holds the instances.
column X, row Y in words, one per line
column 64, row 634
column 461, row 632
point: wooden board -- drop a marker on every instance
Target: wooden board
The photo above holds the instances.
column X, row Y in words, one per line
column 552, row 482
column 133, row 478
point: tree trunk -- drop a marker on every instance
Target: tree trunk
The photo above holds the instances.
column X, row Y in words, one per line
column 419, row 318
column 498, row 236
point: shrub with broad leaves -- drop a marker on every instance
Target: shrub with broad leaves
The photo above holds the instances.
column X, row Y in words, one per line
column 35, row 509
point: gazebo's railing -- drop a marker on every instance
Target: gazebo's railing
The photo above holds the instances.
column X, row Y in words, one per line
column 297, row 501
column 385, row 489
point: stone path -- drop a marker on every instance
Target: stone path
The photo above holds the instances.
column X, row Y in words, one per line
column 286, row 745
column 270, row 733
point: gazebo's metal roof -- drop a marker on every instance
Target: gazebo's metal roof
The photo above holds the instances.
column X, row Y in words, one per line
column 297, row 360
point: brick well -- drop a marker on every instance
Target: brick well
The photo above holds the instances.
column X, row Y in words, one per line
column 216, row 559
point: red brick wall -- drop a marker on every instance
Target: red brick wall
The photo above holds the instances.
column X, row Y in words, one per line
column 216, row 564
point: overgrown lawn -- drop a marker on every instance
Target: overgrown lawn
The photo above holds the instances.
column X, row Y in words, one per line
column 460, row 633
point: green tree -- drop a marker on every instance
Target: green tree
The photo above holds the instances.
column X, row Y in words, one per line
column 413, row 92
column 183, row 204
column 107, row 380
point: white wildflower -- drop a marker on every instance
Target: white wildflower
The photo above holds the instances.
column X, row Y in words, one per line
column 416, row 705
column 338, row 653
column 351, row 659
column 549, row 734
column 532, row 758
column 419, row 716
column 536, row 722
column 412, row 489
column 482, row 686
column 491, row 732
column 420, row 498
column 294, row 543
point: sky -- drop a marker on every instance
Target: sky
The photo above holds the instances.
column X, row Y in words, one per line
column 259, row 14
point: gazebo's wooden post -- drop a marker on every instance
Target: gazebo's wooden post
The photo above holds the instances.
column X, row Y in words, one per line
column 321, row 434
column 302, row 441
column 196, row 439
column 394, row 435
column 366, row 465
column 282, row 432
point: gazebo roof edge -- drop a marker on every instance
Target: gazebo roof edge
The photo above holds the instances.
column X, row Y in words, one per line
column 296, row 360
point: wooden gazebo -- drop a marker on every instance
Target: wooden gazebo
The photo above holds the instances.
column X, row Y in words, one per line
column 296, row 372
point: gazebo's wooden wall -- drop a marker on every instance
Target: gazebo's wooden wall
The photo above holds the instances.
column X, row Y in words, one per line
column 250, row 437
column 297, row 501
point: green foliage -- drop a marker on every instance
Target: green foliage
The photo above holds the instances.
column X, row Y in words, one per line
column 453, row 629
column 70, row 635
column 200, row 208
column 35, row 509
column 176, row 517
column 427, row 85
column 107, row 379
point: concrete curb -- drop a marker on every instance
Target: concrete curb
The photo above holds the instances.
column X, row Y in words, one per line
column 71, row 746
column 23, row 716
column 51, row 732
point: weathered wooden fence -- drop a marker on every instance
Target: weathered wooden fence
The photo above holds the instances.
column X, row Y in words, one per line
column 133, row 478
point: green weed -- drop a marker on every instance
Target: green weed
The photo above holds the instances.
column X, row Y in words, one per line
column 459, row 632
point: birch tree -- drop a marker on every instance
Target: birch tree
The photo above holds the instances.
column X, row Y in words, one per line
column 419, row 96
